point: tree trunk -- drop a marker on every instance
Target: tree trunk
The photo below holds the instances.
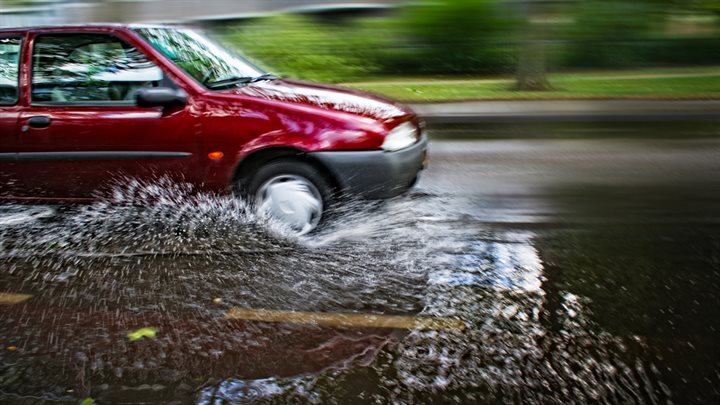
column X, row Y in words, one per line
column 531, row 61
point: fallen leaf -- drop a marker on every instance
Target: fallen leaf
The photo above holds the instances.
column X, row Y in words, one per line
column 149, row 332
column 12, row 348
column 87, row 401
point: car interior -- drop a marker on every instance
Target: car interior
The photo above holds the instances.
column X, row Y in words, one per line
column 9, row 55
column 89, row 68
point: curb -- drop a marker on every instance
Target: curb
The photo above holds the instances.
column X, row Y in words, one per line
column 568, row 111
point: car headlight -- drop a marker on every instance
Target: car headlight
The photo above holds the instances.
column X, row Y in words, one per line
column 401, row 137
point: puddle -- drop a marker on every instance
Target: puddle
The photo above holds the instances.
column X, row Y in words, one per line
column 161, row 257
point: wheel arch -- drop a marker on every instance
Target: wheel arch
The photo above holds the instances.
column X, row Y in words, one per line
column 251, row 163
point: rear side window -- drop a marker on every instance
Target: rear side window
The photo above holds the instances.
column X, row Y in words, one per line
column 89, row 69
column 9, row 70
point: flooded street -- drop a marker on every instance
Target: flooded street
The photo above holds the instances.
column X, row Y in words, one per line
column 524, row 271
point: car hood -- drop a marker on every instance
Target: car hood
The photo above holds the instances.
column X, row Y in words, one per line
column 326, row 97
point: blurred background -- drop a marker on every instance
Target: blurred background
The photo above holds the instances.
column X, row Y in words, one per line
column 570, row 213
column 447, row 50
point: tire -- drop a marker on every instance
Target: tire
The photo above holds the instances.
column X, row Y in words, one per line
column 291, row 191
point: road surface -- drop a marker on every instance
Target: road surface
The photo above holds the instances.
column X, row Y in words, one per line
column 517, row 271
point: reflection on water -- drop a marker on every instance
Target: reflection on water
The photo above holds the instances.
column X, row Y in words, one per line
column 511, row 264
column 591, row 312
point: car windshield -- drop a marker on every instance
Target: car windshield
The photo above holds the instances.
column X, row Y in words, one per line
column 209, row 63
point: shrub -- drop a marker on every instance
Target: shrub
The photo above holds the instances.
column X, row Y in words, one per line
column 608, row 33
column 298, row 47
column 457, row 36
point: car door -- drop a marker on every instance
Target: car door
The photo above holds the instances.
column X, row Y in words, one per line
column 10, row 51
column 82, row 133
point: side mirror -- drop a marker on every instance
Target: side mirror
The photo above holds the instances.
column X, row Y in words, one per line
column 160, row 97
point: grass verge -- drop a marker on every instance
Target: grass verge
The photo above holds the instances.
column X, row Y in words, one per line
column 684, row 83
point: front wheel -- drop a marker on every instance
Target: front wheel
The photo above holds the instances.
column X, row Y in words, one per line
column 292, row 192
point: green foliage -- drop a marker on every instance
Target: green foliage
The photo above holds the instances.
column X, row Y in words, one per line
column 712, row 6
column 471, row 37
column 298, row 47
column 681, row 51
column 607, row 33
column 15, row 2
column 452, row 36
column 457, row 36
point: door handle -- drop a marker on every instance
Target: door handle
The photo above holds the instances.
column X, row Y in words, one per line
column 38, row 121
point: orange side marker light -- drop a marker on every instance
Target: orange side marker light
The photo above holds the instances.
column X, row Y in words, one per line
column 216, row 155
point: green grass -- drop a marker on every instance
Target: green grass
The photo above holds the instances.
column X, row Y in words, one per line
column 688, row 83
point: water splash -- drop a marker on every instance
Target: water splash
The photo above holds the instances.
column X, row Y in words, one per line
column 160, row 255
column 13, row 215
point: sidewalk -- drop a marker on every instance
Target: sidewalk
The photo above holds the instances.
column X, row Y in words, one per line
column 569, row 110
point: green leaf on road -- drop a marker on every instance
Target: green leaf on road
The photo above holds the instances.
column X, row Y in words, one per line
column 87, row 401
column 142, row 333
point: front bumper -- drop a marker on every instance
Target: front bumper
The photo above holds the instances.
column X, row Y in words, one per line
column 376, row 174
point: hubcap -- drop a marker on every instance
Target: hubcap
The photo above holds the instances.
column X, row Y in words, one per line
column 292, row 200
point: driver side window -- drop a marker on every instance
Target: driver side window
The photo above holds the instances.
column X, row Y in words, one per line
column 89, row 69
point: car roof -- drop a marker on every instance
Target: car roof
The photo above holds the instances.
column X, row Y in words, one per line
column 82, row 27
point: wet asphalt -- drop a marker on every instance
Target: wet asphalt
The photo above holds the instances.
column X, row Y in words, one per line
column 544, row 270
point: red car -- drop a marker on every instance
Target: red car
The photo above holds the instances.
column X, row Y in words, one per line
column 81, row 107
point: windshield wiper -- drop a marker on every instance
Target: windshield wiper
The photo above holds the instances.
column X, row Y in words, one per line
column 266, row 76
column 230, row 81
column 233, row 81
